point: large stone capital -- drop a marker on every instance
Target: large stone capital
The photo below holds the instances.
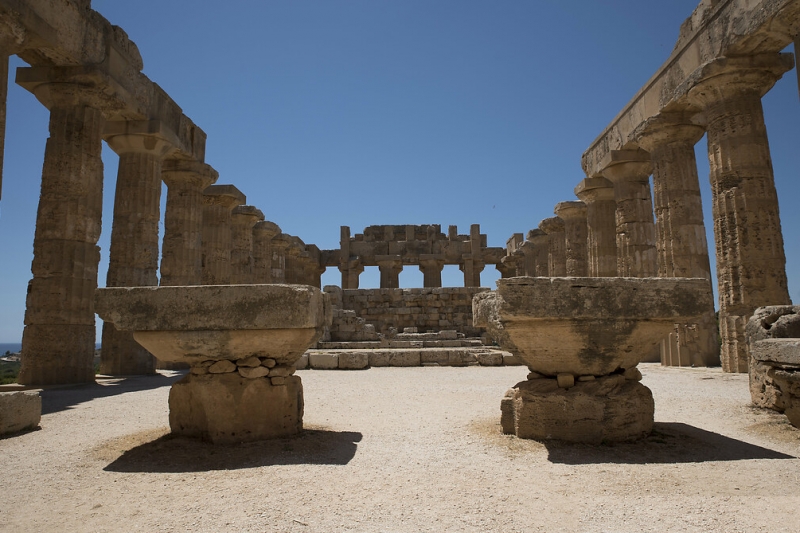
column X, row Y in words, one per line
column 552, row 225
column 627, row 165
column 668, row 128
column 570, row 210
column 177, row 172
column 266, row 229
column 140, row 137
column 280, row 243
column 249, row 214
column 223, row 195
column 729, row 77
column 537, row 237
column 63, row 87
column 592, row 190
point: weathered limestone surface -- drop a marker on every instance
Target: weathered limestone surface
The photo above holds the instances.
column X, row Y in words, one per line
column 218, row 203
column 598, row 195
column 557, row 246
column 263, row 233
column 769, row 383
column 243, row 219
column 485, row 313
column 575, row 237
column 540, row 252
column 19, row 410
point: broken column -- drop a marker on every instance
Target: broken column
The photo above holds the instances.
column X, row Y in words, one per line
column 263, row 233
column 680, row 233
column 133, row 254
column 181, row 254
column 243, row 218
column 218, row 203
column 575, row 236
column 751, row 264
column 556, row 246
column 629, row 171
column 601, row 227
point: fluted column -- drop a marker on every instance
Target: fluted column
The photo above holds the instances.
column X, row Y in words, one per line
column 280, row 247
column 59, row 337
column 526, row 265
column 218, row 203
column 601, row 226
column 181, row 253
column 263, row 233
column 133, row 253
column 431, row 267
column 751, row 265
column 556, row 249
column 575, row 237
column 629, row 171
column 541, row 253
column 243, row 218
column 680, row 232
column 390, row 267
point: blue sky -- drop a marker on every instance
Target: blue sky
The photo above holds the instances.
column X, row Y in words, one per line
column 332, row 112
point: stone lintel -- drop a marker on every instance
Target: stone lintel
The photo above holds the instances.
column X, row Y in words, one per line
column 224, row 194
column 388, row 259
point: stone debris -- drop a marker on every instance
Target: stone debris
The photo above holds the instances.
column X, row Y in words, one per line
column 251, row 361
column 19, row 410
column 222, row 367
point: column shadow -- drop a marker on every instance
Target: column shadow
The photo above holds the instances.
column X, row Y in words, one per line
column 669, row 442
column 173, row 454
column 62, row 398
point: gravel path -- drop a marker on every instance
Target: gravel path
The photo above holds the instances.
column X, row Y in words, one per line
column 404, row 449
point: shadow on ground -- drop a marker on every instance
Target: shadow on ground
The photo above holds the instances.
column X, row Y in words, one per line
column 670, row 442
column 62, row 398
column 170, row 454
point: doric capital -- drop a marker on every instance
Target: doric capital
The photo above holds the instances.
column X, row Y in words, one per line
column 224, row 195
column 64, row 87
column 140, row 136
column 266, row 230
column 280, row 243
column 728, row 77
column 668, row 128
column 552, row 225
column 537, row 237
column 591, row 190
column 178, row 172
column 626, row 165
column 246, row 214
column 570, row 210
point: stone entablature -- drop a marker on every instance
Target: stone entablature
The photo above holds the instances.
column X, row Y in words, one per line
column 433, row 309
column 390, row 247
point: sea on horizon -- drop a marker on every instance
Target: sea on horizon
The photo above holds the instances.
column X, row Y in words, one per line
column 15, row 347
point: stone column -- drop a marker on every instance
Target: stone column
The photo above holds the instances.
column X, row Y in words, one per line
column 243, row 218
column 263, row 233
column 601, row 226
column 218, row 203
column 526, row 266
column 541, row 253
column 350, row 273
column 390, row 267
column 59, row 337
column 133, row 253
column 557, row 247
column 473, row 262
column 751, row 265
column 680, row 233
column 280, row 247
column 575, row 237
column 344, row 259
column 431, row 267
column 629, row 171
column 292, row 267
column 507, row 267
column 181, row 254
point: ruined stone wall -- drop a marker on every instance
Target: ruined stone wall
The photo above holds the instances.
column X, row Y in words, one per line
column 435, row 309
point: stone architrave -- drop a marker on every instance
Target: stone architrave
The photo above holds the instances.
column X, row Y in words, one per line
column 58, row 342
column 556, row 250
column 541, row 253
column 263, row 233
column 575, row 237
column 133, row 254
column 680, row 232
column 280, row 247
column 218, row 203
column 601, row 227
column 181, row 254
column 243, row 219
column 629, row 171
column 751, row 264
column 431, row 267
column 390, row 267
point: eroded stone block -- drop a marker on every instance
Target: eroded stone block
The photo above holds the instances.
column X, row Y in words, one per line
column 19, row 410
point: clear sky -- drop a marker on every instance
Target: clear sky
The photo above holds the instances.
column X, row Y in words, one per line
column 361, row 112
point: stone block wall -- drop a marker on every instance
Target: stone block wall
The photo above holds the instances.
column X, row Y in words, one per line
column 427, row 309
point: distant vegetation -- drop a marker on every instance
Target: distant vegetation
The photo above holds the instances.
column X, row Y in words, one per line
column 8, row 371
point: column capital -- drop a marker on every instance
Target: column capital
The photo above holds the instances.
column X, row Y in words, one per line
column 224, row 195
column 570, row 210
column 59, row 87
column 280, row 242
column 266, row 229
column 591, row 190
column 186, row 171
column 668, row 128
column 247, row 214
column 537, row 237
column 626, row 165
column 140, row 136
column 728, row 77
column 552, row 225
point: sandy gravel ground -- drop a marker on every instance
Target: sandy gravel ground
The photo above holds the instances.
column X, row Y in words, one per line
column 404, row 449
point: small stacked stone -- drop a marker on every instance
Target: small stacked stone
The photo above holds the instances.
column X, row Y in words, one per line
column 249, row 367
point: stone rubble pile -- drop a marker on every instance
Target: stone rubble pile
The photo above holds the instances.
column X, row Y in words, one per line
column 249, row 367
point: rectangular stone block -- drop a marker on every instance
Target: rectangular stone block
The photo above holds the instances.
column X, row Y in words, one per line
column 302, row 363
column 490, row 358
column 19, row 410
column 323, row 361
column 510, row 359
column 778, row 351
column 353, row 360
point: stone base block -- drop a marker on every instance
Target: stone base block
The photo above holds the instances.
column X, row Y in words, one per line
column 228, row 408
column 509, row 359
column 323, row 361
column 607, row 409
column 395, row 358
column 490, row 358
column 19, row 410
column 353, row 360
column 302, row 363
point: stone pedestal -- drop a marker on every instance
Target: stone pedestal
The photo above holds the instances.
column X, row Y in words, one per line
column 629, row 171
column 598, row 195
column 575, row 237
column 263, row 233
column 218, row 203
column 557, row 246
column 751, row 265
column 243, row 218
